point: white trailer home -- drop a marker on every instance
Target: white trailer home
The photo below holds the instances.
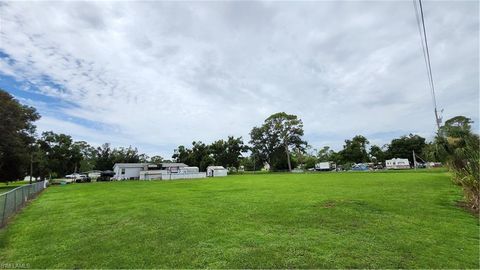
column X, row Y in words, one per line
column 164, row 174
column 164, row 171
column 216, row 171
column 397, row 163
column 129, row 171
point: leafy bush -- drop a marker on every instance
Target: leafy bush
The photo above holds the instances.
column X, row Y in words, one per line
column 465, row 167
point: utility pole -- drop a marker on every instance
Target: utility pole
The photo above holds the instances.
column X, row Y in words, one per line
column 414, row 160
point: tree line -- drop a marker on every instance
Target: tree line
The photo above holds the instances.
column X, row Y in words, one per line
column 49, row 155
column 278, row 141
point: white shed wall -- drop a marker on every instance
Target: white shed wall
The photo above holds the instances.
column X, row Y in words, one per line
column 175, row 176
column 129, row 173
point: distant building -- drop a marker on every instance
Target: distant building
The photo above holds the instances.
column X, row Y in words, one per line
column 148, row 171
column 129, row 171
column 397, row 163
column 216, row 171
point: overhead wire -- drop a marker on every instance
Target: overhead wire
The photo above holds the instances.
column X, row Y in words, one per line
column 426, row 55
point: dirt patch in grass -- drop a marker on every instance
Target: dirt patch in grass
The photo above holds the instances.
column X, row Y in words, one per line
column 329, row 204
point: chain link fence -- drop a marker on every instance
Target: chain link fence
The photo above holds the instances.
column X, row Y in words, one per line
column 15, row 199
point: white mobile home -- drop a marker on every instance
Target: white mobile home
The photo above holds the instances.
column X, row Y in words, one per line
column 129, row 171
column 397, row 163
column 164, row 171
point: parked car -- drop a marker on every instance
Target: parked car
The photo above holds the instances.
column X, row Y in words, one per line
column 421, row 165
column 83, row 179
column 76, row 177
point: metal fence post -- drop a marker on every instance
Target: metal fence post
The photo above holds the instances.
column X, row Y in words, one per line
column 14, row 201
column 4, row 208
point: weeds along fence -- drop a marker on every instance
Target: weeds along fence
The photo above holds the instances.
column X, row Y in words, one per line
column 15, row 199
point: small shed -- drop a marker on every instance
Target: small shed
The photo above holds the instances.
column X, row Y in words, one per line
column 216, row 171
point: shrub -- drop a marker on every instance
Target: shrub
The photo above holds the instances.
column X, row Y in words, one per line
column 465, row 166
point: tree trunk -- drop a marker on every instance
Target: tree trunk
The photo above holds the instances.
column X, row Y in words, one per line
column 288, row 159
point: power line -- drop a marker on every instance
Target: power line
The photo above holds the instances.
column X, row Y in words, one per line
column 426, row 56
column 420, row 31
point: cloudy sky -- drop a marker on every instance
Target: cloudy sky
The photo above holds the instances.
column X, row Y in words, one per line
column 159, row 74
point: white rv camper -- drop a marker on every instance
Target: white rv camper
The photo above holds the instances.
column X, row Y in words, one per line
column 397, row 163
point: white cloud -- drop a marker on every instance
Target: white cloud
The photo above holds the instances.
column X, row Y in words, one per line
column 158, row 74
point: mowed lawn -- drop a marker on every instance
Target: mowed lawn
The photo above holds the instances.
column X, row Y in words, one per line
column 324, row 220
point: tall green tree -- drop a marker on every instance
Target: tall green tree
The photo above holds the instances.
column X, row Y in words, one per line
column 199, row 156
column 377, row 153
column 355, row 150
column 325, row 154
column 62, row 155
column 17, row 133
column 404, row 146
column 88, row 153
column 263, row 143
column 305, row 158
column 280, row 132
column 253, row 162
column 228, row 153
column 183, row 155
column 457, row 127
column 460, row 148
column 452, row 139
column 105, row 158
column 128, row 155
column 156, row 159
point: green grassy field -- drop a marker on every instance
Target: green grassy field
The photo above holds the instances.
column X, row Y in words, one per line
column 329, row 220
